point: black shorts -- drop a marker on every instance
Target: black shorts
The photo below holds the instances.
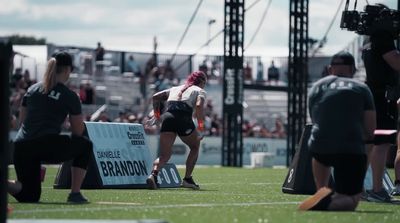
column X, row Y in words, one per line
column 179, row 122
column 386, row 111
column 348, row 171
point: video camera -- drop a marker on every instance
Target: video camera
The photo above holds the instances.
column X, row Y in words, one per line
column 374, row 18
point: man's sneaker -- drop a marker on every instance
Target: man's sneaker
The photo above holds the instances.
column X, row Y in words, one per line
column 364, row 196
column 381, row 196
column 152, row 182
column 396, row 191
column 318, row 202
column 77, row 198
column 188, row 182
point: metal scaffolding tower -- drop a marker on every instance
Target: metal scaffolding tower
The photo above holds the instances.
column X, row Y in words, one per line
column 298, row 73
column 232, row 141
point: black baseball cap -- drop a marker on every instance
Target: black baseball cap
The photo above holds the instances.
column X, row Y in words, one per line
column 63, row 59
column 343, row 58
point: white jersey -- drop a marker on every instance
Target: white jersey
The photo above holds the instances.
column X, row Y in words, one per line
column 189, row 96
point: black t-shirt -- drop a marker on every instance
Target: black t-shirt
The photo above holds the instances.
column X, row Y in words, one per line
column 337, row 106
column 47, row 112
column 379, row 73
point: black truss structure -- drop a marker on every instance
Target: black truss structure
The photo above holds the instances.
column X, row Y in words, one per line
column 232, row 141
column 297, row 74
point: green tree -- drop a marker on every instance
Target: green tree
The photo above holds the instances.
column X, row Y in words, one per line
column 26, row 40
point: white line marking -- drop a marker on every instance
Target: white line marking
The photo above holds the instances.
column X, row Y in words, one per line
column 124, row 206
column 117, row 203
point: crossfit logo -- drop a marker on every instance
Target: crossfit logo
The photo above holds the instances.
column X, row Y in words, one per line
column 136, row 138
column 290, row 175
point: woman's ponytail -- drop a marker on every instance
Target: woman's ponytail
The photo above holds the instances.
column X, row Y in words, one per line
column 50, row 79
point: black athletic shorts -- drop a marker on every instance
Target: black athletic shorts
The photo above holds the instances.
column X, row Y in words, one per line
column 180, row 122
column 348, row 171
column 386, row 116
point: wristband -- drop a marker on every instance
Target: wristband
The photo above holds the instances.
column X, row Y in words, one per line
column 200, row 125
column 157, row 114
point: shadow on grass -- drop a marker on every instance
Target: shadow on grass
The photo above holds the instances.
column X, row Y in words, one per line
column 50, row 203
column 185, row 189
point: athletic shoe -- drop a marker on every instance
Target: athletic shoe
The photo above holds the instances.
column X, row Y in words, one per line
column 14, row 187
column 77, row 198
column 381, row 196
column 317, row 202
column 364, row 196
column 152, row 182
column 188, row 182
column 396, row 190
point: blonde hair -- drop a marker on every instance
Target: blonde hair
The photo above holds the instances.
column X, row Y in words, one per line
column 50, row 78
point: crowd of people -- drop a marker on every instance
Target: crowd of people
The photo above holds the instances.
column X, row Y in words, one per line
column 153, row 77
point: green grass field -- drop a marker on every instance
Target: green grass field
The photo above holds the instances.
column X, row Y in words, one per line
column 226, row 195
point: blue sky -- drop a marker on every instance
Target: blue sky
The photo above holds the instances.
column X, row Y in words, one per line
column 130, row 25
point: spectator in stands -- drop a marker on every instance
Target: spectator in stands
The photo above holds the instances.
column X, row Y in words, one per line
column 82, row 92
column 260, row 72
column 27, row 79
column 169, row 71
column 16, row 77
column 247, row 128
column 382, row 64
column 215, row 69
column 17, row 93
column 89, row 94
column 182, row 101
column 279, row 131
column 216, row 125
column 134, row 67
column 122, row 117
column 343, row 116
column 99, row 52
column 248, row 73
column 151, row 64
column 264, row 132
column 44, row 109
column 103, row 117
column 132, row 118
column 273, row 73
column 99, row 57
column 203, row 67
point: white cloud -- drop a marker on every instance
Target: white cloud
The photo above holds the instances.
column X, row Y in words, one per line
column 126, row 26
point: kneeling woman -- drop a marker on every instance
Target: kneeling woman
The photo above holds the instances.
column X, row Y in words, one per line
column 44, row 109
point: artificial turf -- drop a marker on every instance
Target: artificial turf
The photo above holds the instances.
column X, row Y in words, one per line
column 226, row 195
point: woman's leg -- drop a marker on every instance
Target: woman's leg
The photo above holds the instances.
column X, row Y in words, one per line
column 27, row 168
column 83, row 148
column 167, row 140
column 193, row 142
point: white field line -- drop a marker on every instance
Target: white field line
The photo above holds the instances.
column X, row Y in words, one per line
column 208, row 184
column 125, row 206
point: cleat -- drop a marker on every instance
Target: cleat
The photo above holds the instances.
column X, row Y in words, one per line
column 77, row 198
column 380, row 197
column 396, row 190
column 189, row 183
column 152, row 182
